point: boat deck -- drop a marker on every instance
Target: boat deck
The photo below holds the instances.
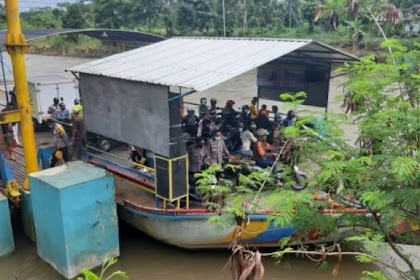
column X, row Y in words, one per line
column 18, row 165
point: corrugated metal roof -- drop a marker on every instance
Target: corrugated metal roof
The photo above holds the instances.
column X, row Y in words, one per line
column 202, row 63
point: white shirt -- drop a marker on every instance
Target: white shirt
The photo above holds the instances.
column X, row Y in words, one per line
column 247, row 137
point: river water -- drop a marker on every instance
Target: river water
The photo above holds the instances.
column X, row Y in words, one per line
column 145, row 258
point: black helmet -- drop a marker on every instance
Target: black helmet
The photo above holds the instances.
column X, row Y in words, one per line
column 291, row 114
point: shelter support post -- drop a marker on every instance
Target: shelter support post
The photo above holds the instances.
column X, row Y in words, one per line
column 16, row 46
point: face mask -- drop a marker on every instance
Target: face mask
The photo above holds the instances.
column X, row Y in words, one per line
column 246, row 111
column 203, row 102
column 217, row 138
column 241, row 130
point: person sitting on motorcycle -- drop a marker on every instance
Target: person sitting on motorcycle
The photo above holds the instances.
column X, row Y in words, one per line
column 245, row 117
column 203, row 109
column 277, row 116
column 218, row 124
column 264, row 111
column 264, row 156
column 205, row 127
column 229, row 114
column 248, row 138
column 290, row 119
column 190, row 122
column 213, row 107
column 263, row 122
column 233, row 136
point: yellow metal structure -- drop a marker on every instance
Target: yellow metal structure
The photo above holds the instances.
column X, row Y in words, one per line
column 10, row 117
column 16, row 46
column 12, row 192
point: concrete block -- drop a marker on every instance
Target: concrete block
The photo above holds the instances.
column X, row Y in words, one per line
column 75, row 216
column 7, row 244
column 27, row 215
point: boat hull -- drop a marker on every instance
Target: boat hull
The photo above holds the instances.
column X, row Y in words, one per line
column 192, row 231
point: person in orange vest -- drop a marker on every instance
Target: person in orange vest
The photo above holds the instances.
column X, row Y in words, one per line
column 265, row 158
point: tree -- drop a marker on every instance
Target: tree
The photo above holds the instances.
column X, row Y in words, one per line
column 194, row 15
column 308, row 10
column 143, row 12
column 111, row 13
column 186, row 16
column 42, row 18
column 2, row 14
column 77, row 15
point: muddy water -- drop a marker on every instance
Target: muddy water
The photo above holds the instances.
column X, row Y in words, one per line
column 145, row 258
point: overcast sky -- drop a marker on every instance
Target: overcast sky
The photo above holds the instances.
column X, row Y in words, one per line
column 28, row 4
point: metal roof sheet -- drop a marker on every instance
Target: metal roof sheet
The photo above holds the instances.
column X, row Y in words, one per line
column 50, row 79
column 201, row 63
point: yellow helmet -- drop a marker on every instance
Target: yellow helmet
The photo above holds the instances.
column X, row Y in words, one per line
column 59, row 154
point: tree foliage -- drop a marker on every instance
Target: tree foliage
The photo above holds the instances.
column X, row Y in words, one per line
column 77, row 15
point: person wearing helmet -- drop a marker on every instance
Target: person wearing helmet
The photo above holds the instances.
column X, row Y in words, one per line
column 213, row 106
column 289, row 120
column 253, row 108
column 203, row 109
column 77, row 106
column 265, row 158
column 229, row 114
column 245, row 118
column 61, row 143
column 190, row 122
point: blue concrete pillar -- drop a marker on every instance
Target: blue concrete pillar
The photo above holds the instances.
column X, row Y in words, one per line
column 75, row 216
column 27, row 214
column 7, row 244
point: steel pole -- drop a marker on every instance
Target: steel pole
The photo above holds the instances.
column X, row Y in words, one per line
column 16, row 46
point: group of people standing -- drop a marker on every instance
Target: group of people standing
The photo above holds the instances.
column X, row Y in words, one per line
column 67, row 125
column 216, row 133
